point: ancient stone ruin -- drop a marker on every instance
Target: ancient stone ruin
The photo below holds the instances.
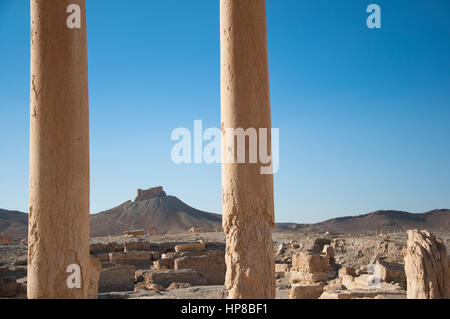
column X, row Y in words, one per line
column 248, row 211
column 150, row 193
column 426, row 266
column 315, row 272
column 59, row 155
column 141, row 264
column 59, row 191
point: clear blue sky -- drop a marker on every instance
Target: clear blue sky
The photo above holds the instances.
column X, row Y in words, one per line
column 364, row 115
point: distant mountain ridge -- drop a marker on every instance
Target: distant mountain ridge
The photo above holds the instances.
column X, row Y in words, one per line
column 383, row 220
column 153, row 208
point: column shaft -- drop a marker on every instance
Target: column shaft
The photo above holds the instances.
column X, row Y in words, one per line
column 248, row 209
column 59, row 151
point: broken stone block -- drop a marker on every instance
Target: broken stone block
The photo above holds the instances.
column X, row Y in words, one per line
column 310, row 263
column 347, row 271
column 105, row 248
column 164, row 263
column 305, row 292
column 211, row 265
column 347, row 281
column 169, row 254
column 166, row 277
column 136, row 245
column 426, row 266
column 391, row 272
column 335, row 284
column 365, row 281
column 316, row 246
column 328, row 250
column 137, row 258
column 190, row 247
column 117, row 278
column 301, row 277
column 306, row 267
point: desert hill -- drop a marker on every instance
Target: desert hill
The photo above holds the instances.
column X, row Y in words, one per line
column 13, row 224
column 153, row 208
column 387, row 220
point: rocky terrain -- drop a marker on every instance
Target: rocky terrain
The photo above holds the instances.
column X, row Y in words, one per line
column 191, row 265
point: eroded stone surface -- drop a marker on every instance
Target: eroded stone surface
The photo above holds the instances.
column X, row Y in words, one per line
column 95, row 267
column 136, row 258
column 211, row 265
column 59, row 152
column 347, row 271
column 190, row 247
column 426, row 266
column 306, row 267
column 247, row 195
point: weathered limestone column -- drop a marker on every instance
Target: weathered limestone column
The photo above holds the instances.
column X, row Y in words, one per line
column 427, row 266
column 59, row 152
column 248, row 209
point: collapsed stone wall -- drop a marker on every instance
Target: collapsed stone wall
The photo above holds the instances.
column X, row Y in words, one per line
column 141, row 264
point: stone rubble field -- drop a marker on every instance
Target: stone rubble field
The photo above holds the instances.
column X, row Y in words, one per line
column 192, row 266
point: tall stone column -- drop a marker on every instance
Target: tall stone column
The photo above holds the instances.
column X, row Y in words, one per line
column 59, row 152
column 247, row 194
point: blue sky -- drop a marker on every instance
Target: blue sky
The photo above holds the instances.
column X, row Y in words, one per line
column 363, row 114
